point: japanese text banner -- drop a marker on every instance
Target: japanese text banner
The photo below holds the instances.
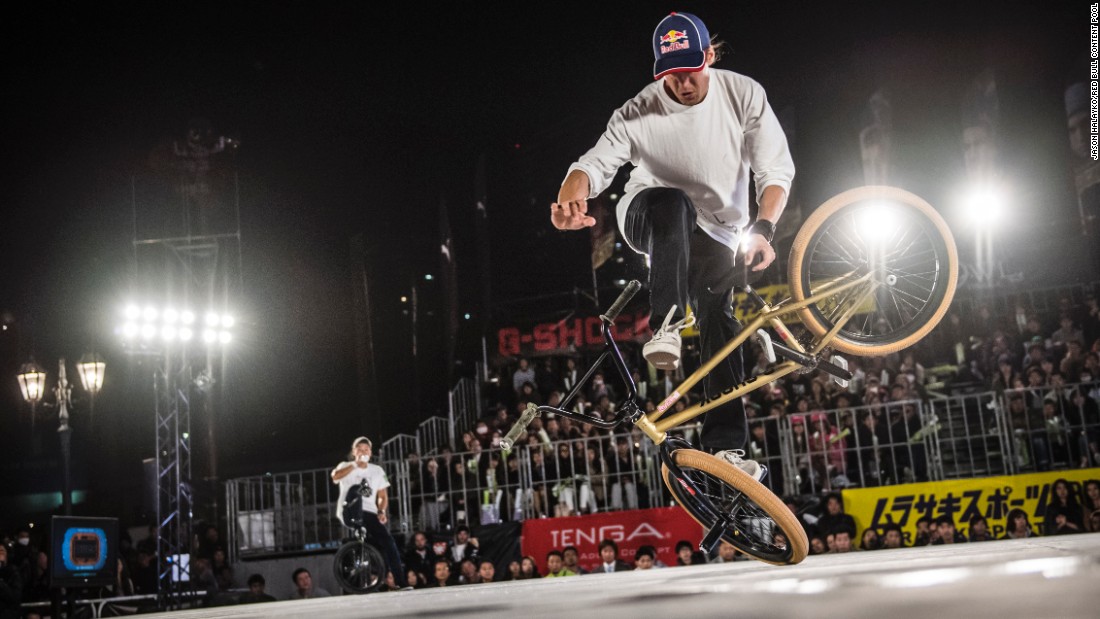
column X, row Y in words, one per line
column 961, row 499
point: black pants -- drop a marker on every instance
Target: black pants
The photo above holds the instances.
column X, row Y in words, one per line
column 688, row 266
column 382, row 537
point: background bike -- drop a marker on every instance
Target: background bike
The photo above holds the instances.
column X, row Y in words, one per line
column 359, row 566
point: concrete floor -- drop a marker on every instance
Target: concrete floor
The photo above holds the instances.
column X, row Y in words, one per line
column 1035, row 578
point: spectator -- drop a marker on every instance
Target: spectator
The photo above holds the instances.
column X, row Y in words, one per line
column 1018, row 525
column 1063, row 514
column 486, row 571
column 416, row 579
column 842, row 539
column 609, row 558
column 11, row 587
column 304, row 589
column 948, row 534
column 555, row 565
column 255, row 593
column 209, row 542
column 620, row 466
column 979, row 530
column 465, row 547
column 834, row 515
column 467, row 572
column 442, row 573
column 870, row 540
column 418, row 557
column 817, row 545
column 686, row 554
column 892, row 537
column 528, row 569
column 203, row 579
column 514, row 571
column 645, row 558
column 433, row 488
column 223, row 572
column 1092, row 503
column 523, row 374
column 572, row 560
column 36, row 581
column 145, row 572
column 728, row 554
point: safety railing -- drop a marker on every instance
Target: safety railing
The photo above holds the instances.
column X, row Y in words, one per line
column 434, row 434
column 1054, row 426
column 465, row 402
column 806, row 453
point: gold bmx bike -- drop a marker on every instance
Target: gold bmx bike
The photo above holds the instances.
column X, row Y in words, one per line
column 871, row 272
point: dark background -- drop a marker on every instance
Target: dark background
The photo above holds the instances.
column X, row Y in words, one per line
column 356, row 120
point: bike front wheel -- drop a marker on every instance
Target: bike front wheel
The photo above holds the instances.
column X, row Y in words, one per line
column 754, row 515
column 904, row 249
column 359, row 567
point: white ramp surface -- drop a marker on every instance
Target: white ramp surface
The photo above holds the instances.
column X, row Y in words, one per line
column 1034, row 578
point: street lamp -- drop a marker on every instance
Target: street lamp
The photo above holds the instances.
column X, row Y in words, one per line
column 32, row 382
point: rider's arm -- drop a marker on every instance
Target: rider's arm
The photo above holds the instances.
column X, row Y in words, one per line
column 767, row 150
column 342, row 470
column 602, row 161
column 382, row 497
column 772, row 203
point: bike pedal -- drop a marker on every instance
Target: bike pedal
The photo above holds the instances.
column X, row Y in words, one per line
column 841, row 363
column 765, row 341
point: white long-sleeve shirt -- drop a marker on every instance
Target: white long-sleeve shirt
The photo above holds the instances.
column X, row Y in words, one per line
column 708, row 150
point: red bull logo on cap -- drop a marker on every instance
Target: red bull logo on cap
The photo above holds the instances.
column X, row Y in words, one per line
column 674, row 40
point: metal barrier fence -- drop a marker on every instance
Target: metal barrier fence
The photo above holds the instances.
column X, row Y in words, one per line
column 973, row 435
column 286, row 512
column 434, row 434
column 1054, row 426
column 464, row 401
column 399, row 447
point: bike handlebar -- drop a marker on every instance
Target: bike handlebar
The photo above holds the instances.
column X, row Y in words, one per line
column 617, row 307
column 528, row 415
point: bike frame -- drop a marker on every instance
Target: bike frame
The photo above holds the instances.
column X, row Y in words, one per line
column 656, row 425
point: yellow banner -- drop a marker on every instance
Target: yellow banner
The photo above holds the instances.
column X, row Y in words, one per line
column 961, row 499
column 745, row 310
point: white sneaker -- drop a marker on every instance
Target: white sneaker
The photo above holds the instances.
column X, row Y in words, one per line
column 736, row 458
column 663, row 351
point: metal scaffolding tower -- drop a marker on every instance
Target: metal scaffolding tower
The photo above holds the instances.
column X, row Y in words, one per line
column 187, row 257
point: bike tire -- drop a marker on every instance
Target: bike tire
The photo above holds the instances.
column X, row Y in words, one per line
column 708, row 471
column 846, row 234
column 359, row 567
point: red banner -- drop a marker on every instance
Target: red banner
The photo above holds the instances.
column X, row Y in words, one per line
column 661, row 527
column 577, row 332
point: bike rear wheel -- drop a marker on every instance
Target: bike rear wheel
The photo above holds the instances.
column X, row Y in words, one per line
column 906, row 247
column 755, row 514
column 359, row 567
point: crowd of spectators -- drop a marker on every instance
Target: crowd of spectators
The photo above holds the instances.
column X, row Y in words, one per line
column 860, row 434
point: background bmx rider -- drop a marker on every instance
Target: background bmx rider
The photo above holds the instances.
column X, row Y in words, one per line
column 348, row 475
column 695, row 136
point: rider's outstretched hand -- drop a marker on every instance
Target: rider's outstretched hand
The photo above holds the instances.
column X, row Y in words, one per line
column 570, row 212
column 571, row 215
column 758, row 248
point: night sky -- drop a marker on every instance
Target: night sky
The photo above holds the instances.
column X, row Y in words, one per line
column 355, row 121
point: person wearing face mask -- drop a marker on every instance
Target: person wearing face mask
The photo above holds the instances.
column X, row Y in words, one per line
column 358, row 477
